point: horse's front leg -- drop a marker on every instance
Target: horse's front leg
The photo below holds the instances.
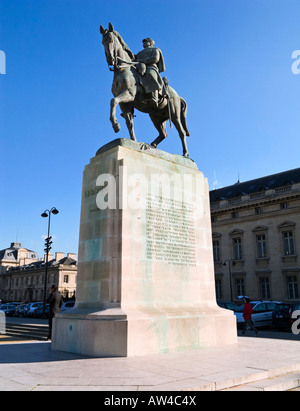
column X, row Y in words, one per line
column 113, row 118
column 125, row 97
column 127, row 114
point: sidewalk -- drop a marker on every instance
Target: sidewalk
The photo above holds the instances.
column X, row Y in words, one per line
column 33, row 366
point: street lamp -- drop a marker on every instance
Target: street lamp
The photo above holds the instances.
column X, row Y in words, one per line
column 231, row 261
column 48, row 242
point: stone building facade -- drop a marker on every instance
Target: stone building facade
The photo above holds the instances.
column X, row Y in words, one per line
column 256, row 238
column 22, row 274
column 15, row 256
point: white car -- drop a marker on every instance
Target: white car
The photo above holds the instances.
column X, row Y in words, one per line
column 262, row 313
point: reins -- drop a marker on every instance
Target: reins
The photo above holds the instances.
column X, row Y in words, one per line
column 117, row 58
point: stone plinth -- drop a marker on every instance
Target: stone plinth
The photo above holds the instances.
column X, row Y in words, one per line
column 145, row 279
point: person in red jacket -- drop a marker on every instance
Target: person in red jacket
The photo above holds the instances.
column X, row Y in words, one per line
column 247, row 314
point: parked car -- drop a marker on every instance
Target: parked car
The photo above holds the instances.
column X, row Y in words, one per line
column 8, row 309
column 20, row 311
column 39, row 312
column 31, row 307
column 67, row 306
column 282, row 315
column 228, row 305
column 262, row 313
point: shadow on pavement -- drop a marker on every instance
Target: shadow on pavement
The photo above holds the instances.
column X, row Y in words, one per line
column 33, row 352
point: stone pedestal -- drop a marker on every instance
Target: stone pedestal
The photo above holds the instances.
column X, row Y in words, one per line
column 145, row 279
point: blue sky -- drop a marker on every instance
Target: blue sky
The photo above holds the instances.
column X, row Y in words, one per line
column 230, row 60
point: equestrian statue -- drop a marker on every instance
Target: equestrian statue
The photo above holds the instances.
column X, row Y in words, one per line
column 137, row 84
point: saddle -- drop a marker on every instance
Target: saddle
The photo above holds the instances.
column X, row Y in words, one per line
column 150, row 86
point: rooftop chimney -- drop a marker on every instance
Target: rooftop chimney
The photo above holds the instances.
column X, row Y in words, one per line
column 15, row 245
column 50, row 257
column 59, row 256
column 72, row 255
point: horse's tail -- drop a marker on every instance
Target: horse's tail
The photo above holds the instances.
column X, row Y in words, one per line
column 183, row 115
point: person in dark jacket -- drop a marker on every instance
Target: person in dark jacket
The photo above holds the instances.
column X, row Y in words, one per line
column 55, row 302
column 247, row 314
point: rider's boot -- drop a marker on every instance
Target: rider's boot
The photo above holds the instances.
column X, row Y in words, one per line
column 154, row 98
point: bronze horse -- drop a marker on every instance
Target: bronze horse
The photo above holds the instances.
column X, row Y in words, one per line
column 130, row 94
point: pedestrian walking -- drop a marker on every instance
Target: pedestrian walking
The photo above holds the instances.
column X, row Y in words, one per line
column 247, row 315
column 55, row 302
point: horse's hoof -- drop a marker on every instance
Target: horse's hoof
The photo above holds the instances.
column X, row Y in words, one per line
column 116, row 127
column 153, row 145
column 186, row 155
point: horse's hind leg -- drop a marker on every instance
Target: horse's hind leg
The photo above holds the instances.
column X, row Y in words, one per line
column 161, row 127
column 182, row 135
column 176, row 118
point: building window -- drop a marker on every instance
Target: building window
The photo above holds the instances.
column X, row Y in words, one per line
column 216, row 250
column 239, row 286
column 283, row 189
column 261, row 246
column 66, row 278
column 283, row 206
column 218, row 289
column 237, row 248
column 264, row 287
column 258, row 210
column 292, row 287
column 234, row 215
column 288, row 243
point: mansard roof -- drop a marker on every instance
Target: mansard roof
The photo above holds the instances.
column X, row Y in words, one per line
column 11, row 253
column 254, row 186
column 41, row 264
column 64, row 261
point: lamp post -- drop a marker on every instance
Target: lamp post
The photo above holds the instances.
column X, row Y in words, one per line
column 48, row 242
column 231, row 261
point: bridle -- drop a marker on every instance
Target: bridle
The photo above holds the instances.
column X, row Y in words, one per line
column 116, row 58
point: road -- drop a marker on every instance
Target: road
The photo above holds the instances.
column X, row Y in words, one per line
column 271, row 333
column 23, row 329
column 26, row 320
